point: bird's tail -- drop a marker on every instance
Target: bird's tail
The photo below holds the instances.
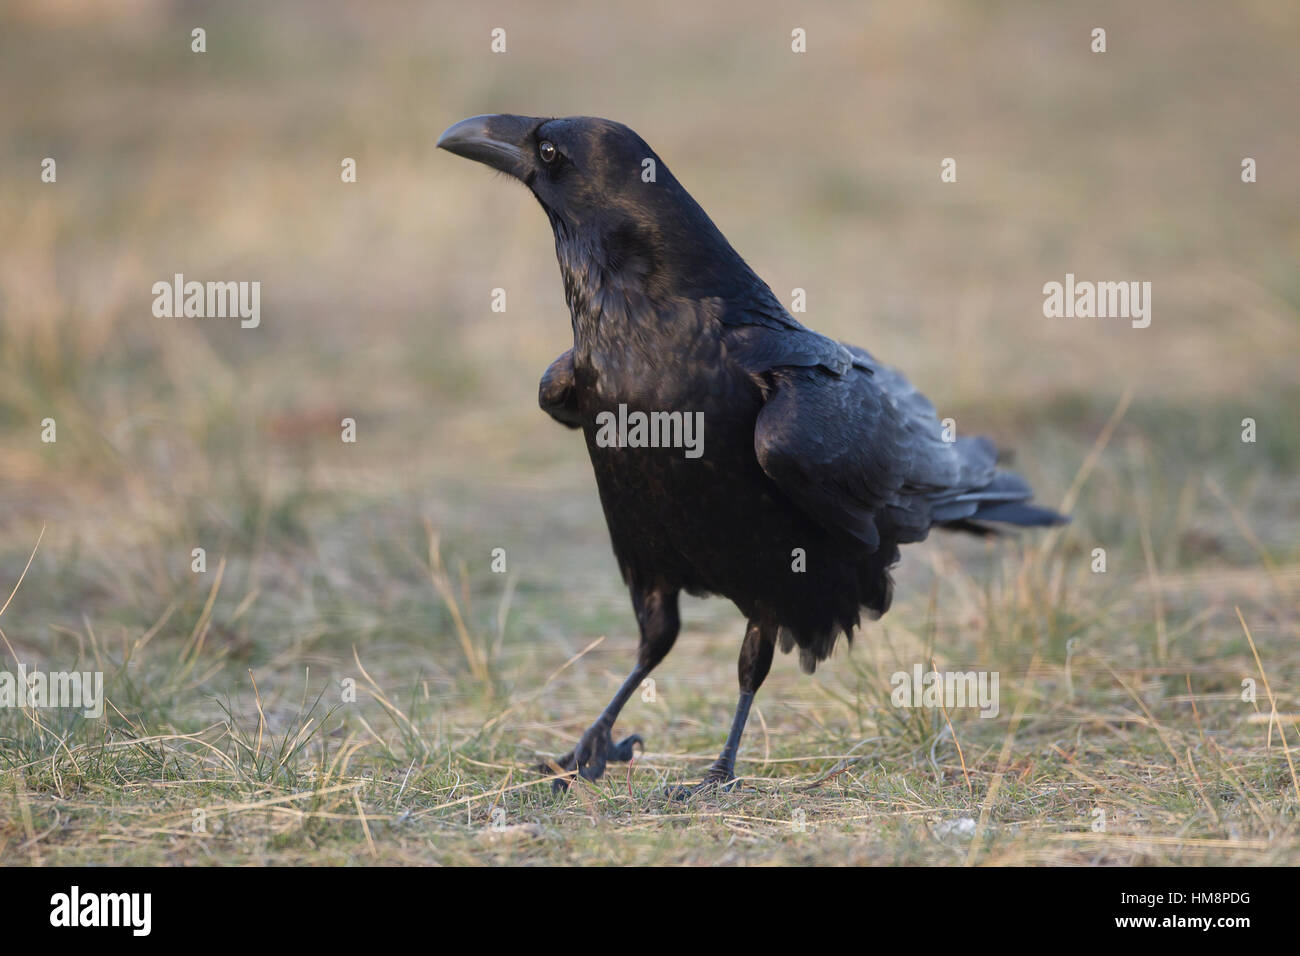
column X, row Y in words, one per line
column 1015, row 512
column 1004, row 500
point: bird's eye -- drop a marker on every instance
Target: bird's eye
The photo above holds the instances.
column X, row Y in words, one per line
column 547, row 151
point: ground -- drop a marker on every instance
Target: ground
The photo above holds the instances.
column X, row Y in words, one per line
column 349, row 680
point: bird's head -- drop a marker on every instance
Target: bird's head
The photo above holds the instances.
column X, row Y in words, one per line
column 606, row 193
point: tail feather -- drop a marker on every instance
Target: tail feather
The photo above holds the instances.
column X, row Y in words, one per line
column 1030, row 516
column 1003, row 500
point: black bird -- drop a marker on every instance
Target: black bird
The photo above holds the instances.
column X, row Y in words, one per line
column 817, row 460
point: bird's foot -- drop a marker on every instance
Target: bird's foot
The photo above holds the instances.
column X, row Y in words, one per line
column 594, row 750
column 716, row 779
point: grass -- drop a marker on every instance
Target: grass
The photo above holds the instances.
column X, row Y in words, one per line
column 229, row 713
column 350, row 682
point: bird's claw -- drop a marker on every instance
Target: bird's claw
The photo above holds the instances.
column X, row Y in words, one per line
column 625, row 749
column 594, row 750
column 715, row 780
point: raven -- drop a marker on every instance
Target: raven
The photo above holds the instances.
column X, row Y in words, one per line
column 817, row 460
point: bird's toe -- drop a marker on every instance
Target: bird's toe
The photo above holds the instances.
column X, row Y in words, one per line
column 589, row 758
column 566, row 765
column 713, row 782
column 625, row 749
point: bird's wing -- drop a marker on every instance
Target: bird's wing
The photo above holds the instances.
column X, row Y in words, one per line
column 760, row 335
column 556, row 393
column 862, row 452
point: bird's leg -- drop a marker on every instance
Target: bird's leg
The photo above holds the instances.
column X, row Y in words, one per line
column 755, row 662
column 656, row 612
column 596, row 747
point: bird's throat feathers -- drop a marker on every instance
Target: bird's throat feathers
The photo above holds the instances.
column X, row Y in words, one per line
column 626, row 280
column 602, row 286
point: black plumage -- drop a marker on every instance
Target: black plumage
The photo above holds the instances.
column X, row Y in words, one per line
column 813, row 450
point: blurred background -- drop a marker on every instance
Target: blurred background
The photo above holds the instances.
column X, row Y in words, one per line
column 822, row 168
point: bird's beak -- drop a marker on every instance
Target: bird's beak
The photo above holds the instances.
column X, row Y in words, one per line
column 497, row 140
